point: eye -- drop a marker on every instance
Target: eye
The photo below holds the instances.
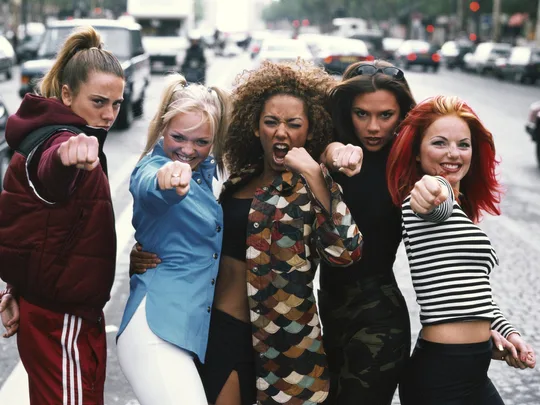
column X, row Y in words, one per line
column 270, row 123
column 178, row 138
column 360, row 113
column 438, row 143
column 387, row 115
column 465, row 145
column 202, row 142
column 296, row 126
column 98, row 101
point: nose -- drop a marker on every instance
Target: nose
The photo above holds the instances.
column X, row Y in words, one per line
column 108, row 114
column 453, row 151
column 281, row 131
column 373, row 125
column 187, row 148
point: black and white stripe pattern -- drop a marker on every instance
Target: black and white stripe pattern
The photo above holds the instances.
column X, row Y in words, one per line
column 71, row 365
column 450, row 259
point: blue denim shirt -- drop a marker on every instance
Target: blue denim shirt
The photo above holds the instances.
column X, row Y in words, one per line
column 186, row 234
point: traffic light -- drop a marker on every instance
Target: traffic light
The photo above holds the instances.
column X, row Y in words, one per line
column 430, row 28
column 474, row 6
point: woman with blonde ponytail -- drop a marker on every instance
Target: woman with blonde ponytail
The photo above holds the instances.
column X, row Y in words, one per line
column 164, row 330
column 57, row 237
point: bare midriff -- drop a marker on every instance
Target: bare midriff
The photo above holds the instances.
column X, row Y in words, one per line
column 458, row 332
column 231, row 289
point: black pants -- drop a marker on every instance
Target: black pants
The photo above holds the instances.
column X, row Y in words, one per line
column 229, row 349
column 449, row 374
column 366, row 336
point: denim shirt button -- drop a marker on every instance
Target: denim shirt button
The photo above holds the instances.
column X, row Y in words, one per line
column 199, row 181
column 215, row 255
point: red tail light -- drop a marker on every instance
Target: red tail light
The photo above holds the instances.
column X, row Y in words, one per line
column 436, row 57
column 370, row 58
column 256, row 49
column 411, row 57
column 328, row 59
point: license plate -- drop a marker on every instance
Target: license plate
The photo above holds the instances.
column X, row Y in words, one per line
column 348, row 59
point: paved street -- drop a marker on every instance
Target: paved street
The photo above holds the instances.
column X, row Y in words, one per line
column 516, row 234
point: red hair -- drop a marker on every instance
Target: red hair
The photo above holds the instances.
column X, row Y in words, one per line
column 480, row 187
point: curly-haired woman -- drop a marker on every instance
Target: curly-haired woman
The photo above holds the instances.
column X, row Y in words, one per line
column 282, row 213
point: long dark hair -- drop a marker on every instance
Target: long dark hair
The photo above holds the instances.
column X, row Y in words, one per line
column 341, row 97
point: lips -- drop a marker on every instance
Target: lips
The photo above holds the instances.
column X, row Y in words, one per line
column 451, row 167
column 280, row 150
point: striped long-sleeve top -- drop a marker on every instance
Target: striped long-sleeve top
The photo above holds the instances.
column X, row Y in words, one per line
column 450, row 259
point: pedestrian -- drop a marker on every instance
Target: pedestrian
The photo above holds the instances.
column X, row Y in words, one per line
column 57, row 236
column 445, row 158
column 366, row 322
column 282, row 214
column 164, row 330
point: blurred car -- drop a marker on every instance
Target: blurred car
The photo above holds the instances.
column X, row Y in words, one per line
column 413, row 52
column 523, row 65
column 27, row 49
column 257, row 39
column 483, row 59
column 389, row 48
column 336, row 54
column 453, row 52
column 373, row 40
column 5, row 151
column 533, row 127
column 7, row 57
column 283, row 50
column 122, row 38
column 166, row 53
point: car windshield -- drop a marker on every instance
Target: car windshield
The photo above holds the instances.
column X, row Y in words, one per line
column 116, row 40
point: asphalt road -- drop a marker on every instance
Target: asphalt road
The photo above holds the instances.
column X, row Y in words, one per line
column 516, row 234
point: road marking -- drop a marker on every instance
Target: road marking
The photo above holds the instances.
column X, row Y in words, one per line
column 15, row 388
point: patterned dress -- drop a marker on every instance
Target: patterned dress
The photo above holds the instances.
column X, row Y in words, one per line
column 288, row 232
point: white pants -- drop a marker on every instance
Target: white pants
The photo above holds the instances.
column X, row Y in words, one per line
column 158, row 371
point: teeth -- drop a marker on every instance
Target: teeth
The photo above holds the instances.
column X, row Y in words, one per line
column 283, row 147
column 450, row 166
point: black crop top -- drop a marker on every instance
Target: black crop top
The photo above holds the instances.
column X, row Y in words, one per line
column 235, row 221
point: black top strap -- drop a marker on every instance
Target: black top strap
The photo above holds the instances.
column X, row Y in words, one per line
column 41, row 135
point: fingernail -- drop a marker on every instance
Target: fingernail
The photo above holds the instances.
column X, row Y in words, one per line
column 341, row 169
column 500, row 347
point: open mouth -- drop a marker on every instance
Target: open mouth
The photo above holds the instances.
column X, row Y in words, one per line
column 450, row 167
column 184, row 159
column 280, row 150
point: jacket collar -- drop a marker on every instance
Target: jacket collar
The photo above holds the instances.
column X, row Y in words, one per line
column 284, row 183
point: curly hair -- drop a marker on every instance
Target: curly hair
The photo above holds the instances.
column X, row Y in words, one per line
column 301, row 79
column 480, row 186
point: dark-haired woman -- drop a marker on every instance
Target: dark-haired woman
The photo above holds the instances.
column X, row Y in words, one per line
column 364, row 315
column 57, row 237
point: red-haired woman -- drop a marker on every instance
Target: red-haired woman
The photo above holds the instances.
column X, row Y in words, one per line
column 441, row 170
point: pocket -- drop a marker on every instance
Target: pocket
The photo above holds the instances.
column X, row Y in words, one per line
column 14, row 266
column 288, row 249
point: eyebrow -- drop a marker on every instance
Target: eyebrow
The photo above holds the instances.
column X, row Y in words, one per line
column 176, row 133
column 276, row 118
column 380, row 111
column 105, row 98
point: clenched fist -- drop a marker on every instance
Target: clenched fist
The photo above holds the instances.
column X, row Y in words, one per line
column 80, row 151
column 427, row 194
column 174, row 175
column 298, row 160
column 347, row 159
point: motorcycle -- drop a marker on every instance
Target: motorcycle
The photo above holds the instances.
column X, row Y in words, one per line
column 194, row 72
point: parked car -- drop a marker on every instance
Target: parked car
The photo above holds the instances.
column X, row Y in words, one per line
column 453, row 52
column 5, row 151
column 7, row 57
column 533, row 127
column 485, row 55
column 336, row 54
column 28, row 48
column 413, row 52
column 523, row 65
column 283, row 50
column 122, row 38
column 389, row 48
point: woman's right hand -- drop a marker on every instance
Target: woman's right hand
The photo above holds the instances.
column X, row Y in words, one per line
column 345, row 158
column 140, row 261
column 427, row 194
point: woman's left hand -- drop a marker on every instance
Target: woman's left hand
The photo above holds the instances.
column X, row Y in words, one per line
column 298, row 160
column 525, row 353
